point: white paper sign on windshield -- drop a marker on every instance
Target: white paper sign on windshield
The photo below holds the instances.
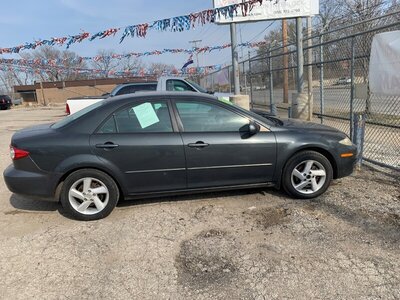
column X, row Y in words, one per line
column 384, row 66
column 146, row 115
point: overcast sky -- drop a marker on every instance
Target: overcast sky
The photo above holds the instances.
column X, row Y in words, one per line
column 26, row 20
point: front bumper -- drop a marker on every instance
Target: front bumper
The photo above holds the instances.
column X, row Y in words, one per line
column 345, row 165
column 32, row 184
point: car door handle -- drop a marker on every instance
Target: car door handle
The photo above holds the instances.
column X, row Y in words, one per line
column 108, row 145
column 198, row 145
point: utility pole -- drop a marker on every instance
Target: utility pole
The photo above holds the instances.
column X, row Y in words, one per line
column 235, row 60
column 300, row 57
column 42, row 90
column 310, row 71
column 285, row 63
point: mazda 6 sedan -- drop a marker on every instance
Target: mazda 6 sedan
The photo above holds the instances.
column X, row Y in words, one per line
column 157, row 144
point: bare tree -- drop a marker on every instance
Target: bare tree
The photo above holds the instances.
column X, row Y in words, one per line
column 130, row 63
column 364, row 9
column 328, row 12
column 105, row 62
column 161, row 68
column 56, row 65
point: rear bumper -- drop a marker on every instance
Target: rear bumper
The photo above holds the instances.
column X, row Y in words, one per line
column 32, row 184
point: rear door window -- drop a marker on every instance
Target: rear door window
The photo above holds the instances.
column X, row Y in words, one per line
column 144, row 117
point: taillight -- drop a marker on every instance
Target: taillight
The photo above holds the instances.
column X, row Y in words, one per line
column 16, row 153
column 67, row 109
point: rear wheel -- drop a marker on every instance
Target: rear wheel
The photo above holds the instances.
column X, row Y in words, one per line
column 89, row 194
column 307, row 174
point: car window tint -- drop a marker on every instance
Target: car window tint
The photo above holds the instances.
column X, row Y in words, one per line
column 109, row 126
column 207, row 117
column 143, row 117
column 178, row 86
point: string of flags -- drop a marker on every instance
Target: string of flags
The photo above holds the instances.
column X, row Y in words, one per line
column 174, row 24
column 98, row 58
column 134, row 72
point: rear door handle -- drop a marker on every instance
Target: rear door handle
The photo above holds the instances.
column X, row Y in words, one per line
column 108, row 145
column 198, row 145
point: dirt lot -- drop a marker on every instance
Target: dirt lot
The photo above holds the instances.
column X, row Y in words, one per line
column 256, row 244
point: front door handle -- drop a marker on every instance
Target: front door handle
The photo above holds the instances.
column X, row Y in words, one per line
column 108, row 145
column 198, row 145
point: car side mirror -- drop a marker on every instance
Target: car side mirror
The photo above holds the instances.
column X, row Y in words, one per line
column 254, row 128
column 248, row 130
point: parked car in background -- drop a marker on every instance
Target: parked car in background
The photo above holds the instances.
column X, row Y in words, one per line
column 343, row 81
column 155, row 144
column 5, row 102
column 175, row 84
column 17, row 101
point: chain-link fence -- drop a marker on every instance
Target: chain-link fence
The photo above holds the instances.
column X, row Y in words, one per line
column 339, row 85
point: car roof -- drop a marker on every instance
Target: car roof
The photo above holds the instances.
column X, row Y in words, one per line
column 138, row 83
column 152, row 94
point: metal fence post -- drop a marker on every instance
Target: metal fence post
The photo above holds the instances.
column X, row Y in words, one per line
column 245, row 76
column 250, row 77
column 321, row 77
column 358, row 136
column 272, row 104
column 353, row 53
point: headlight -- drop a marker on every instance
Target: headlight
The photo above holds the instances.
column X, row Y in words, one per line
column 346, row 141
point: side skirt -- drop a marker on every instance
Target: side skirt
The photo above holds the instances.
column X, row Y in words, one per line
column 195, row 191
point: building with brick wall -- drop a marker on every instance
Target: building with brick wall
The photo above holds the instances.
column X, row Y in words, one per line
column 58, row 92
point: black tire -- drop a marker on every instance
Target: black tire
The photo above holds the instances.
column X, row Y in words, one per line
column 299, row 162
column 75, row 181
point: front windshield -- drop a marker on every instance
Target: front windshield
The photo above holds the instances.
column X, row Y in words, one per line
column 76, row 115
column 198, row 87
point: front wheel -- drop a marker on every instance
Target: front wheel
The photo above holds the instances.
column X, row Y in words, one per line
column 307, row 175
column 89, row 194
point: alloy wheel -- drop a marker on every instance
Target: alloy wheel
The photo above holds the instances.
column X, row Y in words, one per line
column 308, row 177
column 88, row 196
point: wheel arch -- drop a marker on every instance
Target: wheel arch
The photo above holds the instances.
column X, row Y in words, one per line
column 317, row 149
column 91, row 167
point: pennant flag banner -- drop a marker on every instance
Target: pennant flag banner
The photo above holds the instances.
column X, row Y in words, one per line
column 61, row 62
column 175, row 24
column 135, row 72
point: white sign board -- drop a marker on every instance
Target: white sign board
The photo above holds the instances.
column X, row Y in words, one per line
column 270, row 10
column 384, row 66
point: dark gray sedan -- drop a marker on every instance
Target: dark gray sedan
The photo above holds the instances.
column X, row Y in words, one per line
column 153, row 144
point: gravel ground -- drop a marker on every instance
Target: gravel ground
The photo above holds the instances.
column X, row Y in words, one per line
column 256, row 244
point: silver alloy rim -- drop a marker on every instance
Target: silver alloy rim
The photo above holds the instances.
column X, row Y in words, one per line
column 88, row 196
column 308, row 177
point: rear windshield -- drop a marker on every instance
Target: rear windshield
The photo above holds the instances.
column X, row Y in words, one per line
column 78, row 114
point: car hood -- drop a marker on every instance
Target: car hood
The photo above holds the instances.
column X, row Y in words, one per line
column 309, row 126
